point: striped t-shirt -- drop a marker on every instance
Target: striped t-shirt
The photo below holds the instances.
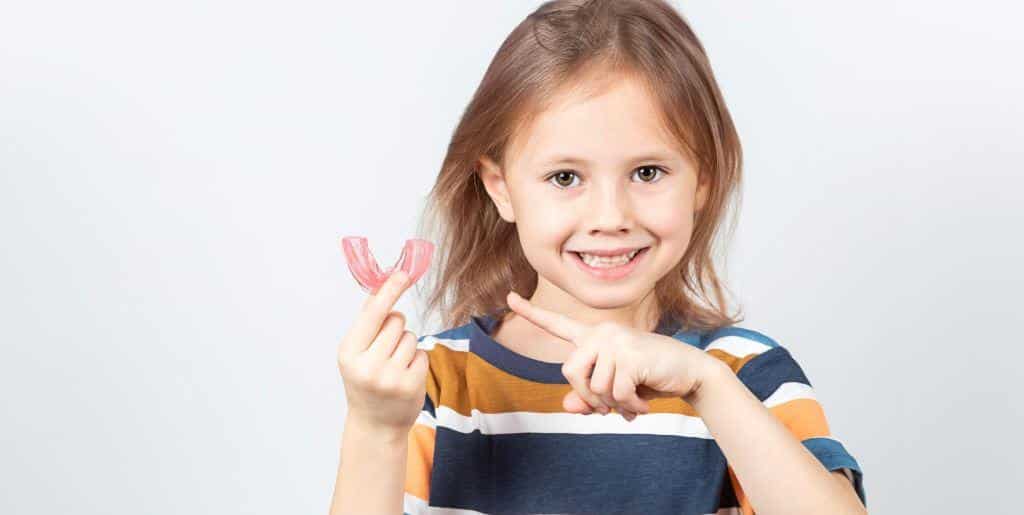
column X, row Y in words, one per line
column 493, row 436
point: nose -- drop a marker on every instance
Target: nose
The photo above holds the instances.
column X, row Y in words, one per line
column 609, row 210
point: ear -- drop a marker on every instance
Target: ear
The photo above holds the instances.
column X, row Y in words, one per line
column 703, row 185
column 493, row 178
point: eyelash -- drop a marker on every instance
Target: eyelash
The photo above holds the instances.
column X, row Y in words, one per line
column 554, row 174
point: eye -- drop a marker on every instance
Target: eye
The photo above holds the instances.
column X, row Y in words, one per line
column 651, row 174
column 560, row 177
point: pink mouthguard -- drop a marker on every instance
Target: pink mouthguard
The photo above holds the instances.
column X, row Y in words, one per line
column 414, row 261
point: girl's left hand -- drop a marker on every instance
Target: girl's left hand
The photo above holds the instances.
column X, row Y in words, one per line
column 629, row 366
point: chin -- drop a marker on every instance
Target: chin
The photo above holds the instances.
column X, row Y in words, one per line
column 614, row 298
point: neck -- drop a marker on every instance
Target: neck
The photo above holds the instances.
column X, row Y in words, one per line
column 642, row 314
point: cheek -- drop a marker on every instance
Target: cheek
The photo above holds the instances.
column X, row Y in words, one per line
column 543, row 223
column 678, row 226
column 671, row 219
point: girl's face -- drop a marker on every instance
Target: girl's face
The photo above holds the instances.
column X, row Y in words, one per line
column 597, row 173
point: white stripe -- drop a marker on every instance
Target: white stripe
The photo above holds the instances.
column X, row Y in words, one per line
column 789, row 391
column 413, row 505
column 737, row 346
column 426, row 419
column 668, row 424
column 428, row 342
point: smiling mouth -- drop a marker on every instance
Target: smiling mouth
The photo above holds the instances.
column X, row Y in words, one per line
column 612, row 267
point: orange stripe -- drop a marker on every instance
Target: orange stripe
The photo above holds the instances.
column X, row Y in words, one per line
column 805, row 418
column 492, row 390
column 420, row 462
column 735, row 363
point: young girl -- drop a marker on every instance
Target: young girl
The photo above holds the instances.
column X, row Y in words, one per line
column 590, row 172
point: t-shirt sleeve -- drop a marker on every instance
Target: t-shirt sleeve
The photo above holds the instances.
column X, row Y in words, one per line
column 420, row 462
column 771, row 373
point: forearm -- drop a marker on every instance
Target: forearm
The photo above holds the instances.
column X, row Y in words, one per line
column 371, row 473
column 778, row 474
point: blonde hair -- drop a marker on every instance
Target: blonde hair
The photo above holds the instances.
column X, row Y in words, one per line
column 579, row 44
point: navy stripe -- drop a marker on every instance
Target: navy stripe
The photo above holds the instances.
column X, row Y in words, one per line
column 482, row 344
column 577, row 473
column 428, row 406
column 491, row 351
column 764, row 373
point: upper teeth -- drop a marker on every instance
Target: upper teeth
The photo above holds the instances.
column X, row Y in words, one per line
column 621, row 259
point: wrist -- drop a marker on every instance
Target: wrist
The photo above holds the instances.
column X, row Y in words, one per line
column 712, row 372
column 363, row 430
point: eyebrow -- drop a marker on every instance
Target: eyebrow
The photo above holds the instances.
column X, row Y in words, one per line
column 574, row 160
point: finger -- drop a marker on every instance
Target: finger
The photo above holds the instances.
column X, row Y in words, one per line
column 625, row 394
column 405, row 350
column 601, row 380
column 420, row 362
column 555, row 323
column 383, row 345
column 375, row 309
column 577, row 370
column 574, row 404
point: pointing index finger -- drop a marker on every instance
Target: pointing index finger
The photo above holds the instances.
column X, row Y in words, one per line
column 555, row 323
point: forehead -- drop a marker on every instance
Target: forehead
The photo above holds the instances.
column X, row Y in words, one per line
column 603, row 122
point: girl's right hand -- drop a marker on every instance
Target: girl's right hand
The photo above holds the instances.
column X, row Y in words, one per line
column 383, row 371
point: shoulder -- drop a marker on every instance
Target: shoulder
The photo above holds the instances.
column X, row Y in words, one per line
column 760, row 361
column 454, row 339
column 738, row 346
column 447, row 351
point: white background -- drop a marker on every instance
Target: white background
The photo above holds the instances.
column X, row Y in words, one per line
column 175, row 179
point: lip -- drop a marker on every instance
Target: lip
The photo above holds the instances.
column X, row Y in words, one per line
column 613, row 273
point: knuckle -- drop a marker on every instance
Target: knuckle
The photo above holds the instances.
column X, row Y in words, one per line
column 348, row 363
column 412, row 385
column 342, row 354
column 360, row 376
column 379, row 305
column 409, row 337
column 388, row 383
column 396, row 318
